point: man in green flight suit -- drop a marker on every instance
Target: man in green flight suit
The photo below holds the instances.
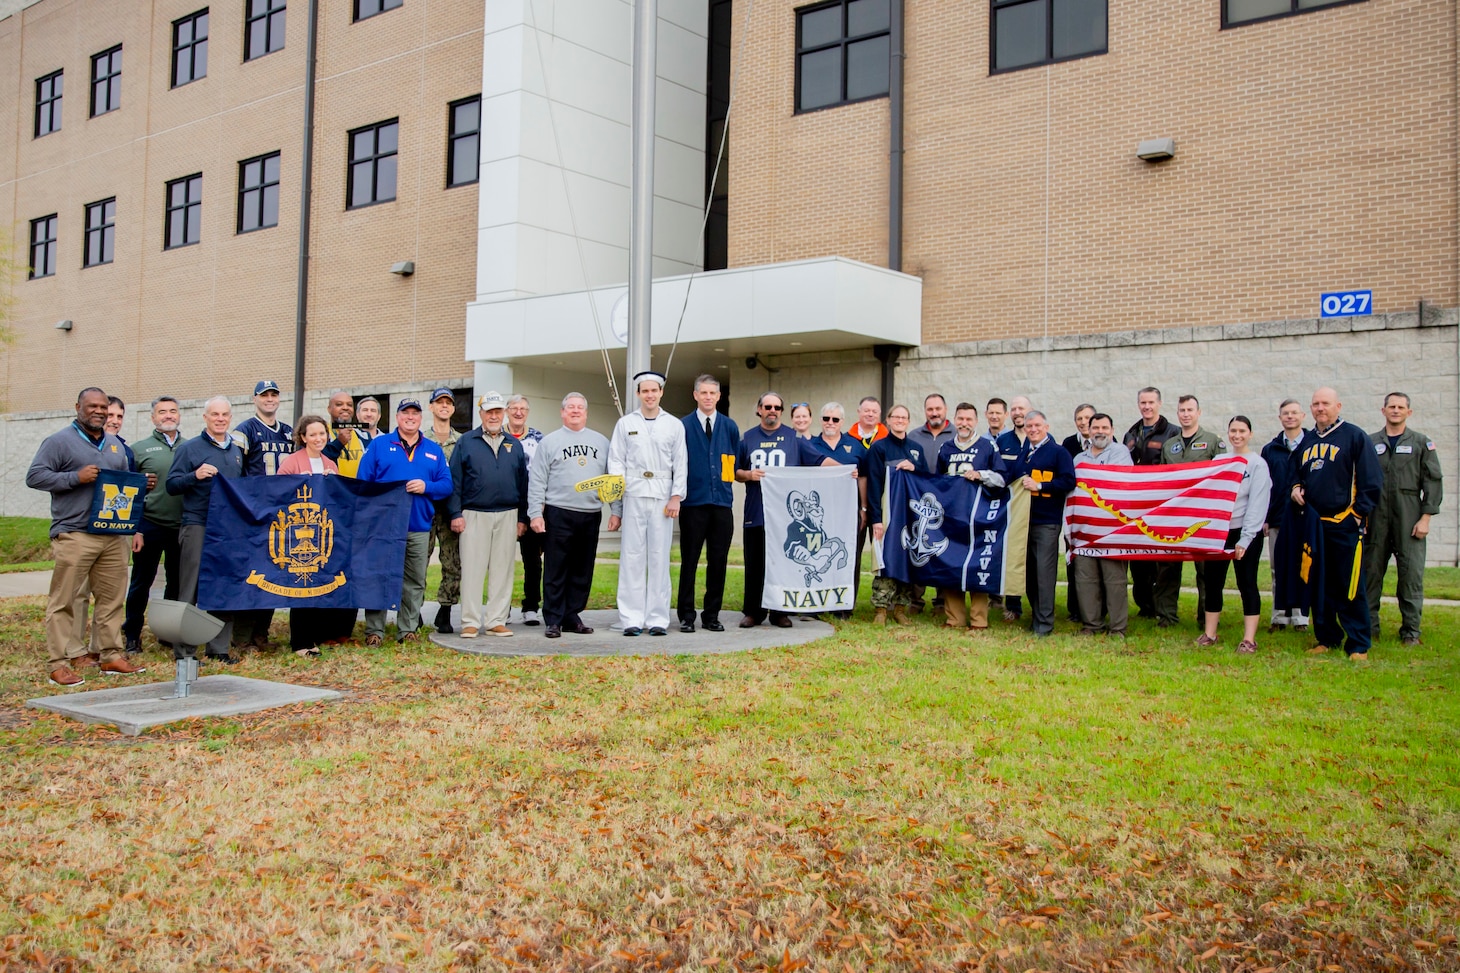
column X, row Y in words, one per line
column 1191, row 444
column 1399, row 525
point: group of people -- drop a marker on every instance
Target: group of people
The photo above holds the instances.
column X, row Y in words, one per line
column 505, row 491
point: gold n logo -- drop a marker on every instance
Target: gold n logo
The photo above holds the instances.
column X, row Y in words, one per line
column 116, row 501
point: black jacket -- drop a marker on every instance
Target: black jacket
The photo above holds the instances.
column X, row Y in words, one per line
column 1147, row 451
column 487, row 480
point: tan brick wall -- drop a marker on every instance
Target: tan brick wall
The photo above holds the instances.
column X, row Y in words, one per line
column 1314, row 153
column 217, row 316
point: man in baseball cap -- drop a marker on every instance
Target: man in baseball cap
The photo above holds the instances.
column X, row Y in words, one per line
column 488, row 507
column 266, row 439
column 443, row 407
column 403, row 454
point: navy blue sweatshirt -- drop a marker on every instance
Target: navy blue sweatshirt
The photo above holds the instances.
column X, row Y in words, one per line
column 887, row 452
column 1338, row 468
column 182, row 479
column 488, row 480
column 1051, row 465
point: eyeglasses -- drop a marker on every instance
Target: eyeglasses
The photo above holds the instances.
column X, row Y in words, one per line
column 831, row 418
column 773, row 408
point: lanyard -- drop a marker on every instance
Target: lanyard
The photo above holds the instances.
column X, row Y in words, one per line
column 94, row 444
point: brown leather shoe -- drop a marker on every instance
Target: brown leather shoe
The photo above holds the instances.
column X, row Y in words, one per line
column 88, row 661
column 747, row 622
column 121, row 667
column 501, row 631
column 66, row 676
column 1318, row 650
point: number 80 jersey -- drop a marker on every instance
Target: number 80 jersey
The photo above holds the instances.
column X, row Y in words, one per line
column 762, row 449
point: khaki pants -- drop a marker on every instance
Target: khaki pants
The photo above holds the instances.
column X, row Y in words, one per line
column 975, row 615
column 100, row 560
column 488, row 550
column 77, row 646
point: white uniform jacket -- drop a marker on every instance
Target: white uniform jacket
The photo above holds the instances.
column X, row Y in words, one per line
column 650, row 455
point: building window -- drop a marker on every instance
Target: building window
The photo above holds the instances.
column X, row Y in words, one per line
column 48, row 104
column 843, row 50
column 1024, row 33
column 258, row 193
column 264, row 32
column 372, row 164
column 369, row 8
column 101, row 231
column 463, row 145
column 190, row 48
column 1236, row 12
column 184, row 212
column 106, row 81
column 43, row 246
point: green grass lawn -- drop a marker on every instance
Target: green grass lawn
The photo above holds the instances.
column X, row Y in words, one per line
column 25, row 541
column 881, row 799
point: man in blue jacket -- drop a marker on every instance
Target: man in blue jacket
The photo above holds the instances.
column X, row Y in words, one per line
column 705, row 518
column 1045, row 469
column 404, row 454
column 488, row 508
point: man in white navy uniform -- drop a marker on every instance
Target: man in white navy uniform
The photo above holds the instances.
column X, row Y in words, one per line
column 648, row 451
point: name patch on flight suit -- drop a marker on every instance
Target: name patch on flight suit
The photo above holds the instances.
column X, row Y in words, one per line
column 1403, row 449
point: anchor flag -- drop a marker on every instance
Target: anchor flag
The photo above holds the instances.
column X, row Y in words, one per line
column 1154, row 513
column 950, row 533
column 303, row 542
column 810, row 538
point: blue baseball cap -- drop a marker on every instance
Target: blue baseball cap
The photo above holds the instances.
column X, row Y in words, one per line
column 265, row 386
column 442, row 392
column 405, row 404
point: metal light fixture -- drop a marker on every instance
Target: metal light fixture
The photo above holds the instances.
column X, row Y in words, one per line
column 403, row 267
column 63, row 325
column 1156, row 150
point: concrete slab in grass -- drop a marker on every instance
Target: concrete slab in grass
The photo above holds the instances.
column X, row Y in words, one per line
column 132, row 709
column 605, row 641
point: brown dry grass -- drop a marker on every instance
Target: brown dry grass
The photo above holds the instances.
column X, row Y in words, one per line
column 873, row 801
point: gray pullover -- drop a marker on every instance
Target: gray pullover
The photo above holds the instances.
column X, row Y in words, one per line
column 563, row 460
column 56, row 470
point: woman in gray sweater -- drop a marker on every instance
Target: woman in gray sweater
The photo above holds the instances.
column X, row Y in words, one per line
column 1245, row 537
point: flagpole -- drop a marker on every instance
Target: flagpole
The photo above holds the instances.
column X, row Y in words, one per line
column 641, row 234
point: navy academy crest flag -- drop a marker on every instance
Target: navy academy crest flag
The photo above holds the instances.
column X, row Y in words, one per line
column 947, row 532
column 303, row 542
column 810, row 538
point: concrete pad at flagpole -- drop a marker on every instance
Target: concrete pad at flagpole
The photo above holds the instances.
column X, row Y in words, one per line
column 132, row 709
column 530, row 640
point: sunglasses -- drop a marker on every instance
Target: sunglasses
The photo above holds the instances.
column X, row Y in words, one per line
column 800, row 405
column 831, row 419
column 774, row 408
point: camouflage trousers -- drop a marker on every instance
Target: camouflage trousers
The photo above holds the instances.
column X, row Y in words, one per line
column 889, row 592
column 441, row 533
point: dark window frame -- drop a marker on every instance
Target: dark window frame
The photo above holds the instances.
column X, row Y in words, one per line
column 1294, row 11
column 453, row 136
column 380, row 7
column 188, row 204
column 104, row 232
column 843, row 42
column 49, row 104
column 374, row 160
column 996, row 5
column 110, row 82
column 272, row 9
column 48, row 245
column 190, row 48
column 259, row 189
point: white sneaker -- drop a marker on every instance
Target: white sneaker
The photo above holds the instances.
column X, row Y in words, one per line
column 531, row 618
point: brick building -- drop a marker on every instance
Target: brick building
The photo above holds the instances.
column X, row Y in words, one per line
column 1313, row 148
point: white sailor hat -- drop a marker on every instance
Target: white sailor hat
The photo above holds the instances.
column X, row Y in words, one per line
column 654, row 376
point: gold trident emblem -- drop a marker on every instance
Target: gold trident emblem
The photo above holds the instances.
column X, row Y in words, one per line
column 302, row 539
